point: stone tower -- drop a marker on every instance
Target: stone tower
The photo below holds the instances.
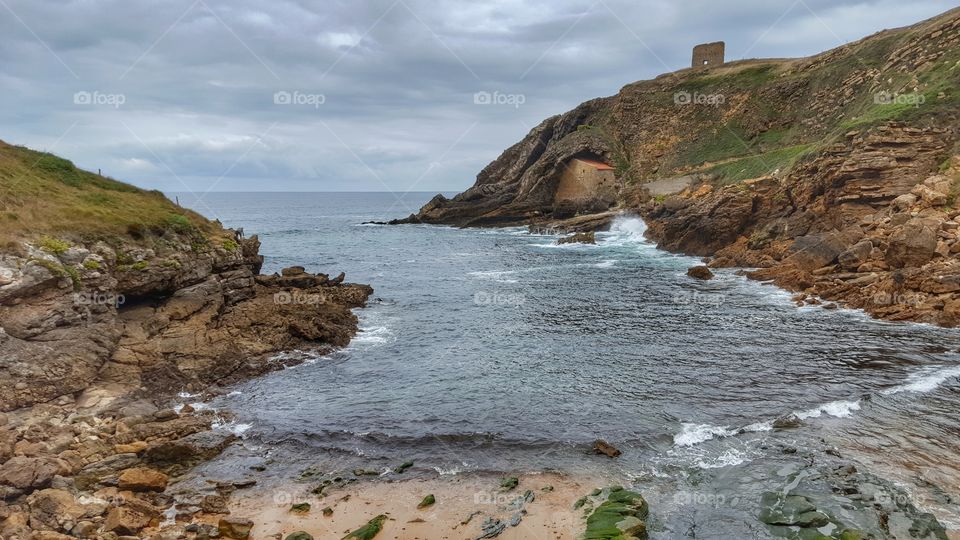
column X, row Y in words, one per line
column 708, row 54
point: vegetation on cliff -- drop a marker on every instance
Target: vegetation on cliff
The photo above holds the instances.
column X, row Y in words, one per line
column 723, row 125
column 43, row 195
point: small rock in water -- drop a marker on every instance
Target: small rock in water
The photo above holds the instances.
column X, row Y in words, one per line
column 787, row 421
column 515, row 519
column 700, row 272
column 579, row 238
column 429, row 500
column 603, row 447
column 327, row 511
column 403, row 467
column 299, row 535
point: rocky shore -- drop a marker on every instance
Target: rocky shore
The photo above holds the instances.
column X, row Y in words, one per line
column 844, row 191
column 95, row 340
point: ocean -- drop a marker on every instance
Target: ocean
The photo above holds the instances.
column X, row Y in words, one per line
column 497, row 350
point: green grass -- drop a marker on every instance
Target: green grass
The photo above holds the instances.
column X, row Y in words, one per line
column 45, row 195
column 759, row 165
column 746, row 78
column 724, row 142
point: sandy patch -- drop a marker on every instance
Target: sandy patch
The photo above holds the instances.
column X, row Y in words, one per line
column 463, row 503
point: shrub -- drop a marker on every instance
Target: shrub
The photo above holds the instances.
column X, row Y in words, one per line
column 53, row 245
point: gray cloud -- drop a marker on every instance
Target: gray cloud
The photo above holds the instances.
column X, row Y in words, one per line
column 398, row 78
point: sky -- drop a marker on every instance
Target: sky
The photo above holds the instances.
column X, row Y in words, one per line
column 380, row 95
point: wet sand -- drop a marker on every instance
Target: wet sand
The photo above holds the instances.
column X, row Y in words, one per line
column 463, row 503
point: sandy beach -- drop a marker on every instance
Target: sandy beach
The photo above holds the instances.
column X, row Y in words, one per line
column 463, row 503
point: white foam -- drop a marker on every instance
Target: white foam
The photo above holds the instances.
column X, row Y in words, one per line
column 839, row 409
column 925, row 381
column 234, row 427
column 453, row 471
column 373, row 334
column 631, row 226
column 495, row 275
column 728, row 458
column 606, row 263
column 692, row 434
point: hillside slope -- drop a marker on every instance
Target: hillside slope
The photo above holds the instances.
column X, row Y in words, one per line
column 780, row 159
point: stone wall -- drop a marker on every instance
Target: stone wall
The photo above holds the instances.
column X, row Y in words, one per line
column 708, row 54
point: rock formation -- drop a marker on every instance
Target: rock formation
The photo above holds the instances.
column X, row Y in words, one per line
column 102, row 321
column 836, row 174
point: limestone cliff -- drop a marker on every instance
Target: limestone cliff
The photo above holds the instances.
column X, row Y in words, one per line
column 780, row 164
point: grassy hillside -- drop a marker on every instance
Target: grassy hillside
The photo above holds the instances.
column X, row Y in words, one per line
column 45, row 196
column 775, row 113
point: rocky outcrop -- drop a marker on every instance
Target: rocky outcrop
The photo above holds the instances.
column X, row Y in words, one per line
column 93, row 338
column 844, row 188
column 897, row 260
column 520, row 185
column 156, row 318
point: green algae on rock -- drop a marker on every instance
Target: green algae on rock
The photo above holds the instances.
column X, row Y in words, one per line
column 619, row 517
column 368, row 531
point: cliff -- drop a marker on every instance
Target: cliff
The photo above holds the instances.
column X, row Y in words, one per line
column 786, row 165
column 112, row 299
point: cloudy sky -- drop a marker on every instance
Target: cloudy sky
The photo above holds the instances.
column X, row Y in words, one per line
column 348, row 95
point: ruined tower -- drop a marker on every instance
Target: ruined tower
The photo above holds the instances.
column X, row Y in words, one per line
column 708, row 54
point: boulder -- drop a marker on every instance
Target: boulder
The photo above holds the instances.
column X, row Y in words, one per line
column 700, row 272
column 31, row 472
column 143, row 479
column 913, row 244
column 236, row 528
column 299, row 535
column 202, row 445
column 54, row 509
column 293, row 271
column 126, row 521
column 817, row 250
column 859, row 253
column 940, row 183
column 904, row 202
column 930, row 196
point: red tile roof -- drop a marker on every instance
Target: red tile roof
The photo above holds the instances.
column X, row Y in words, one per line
column 599, row 165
